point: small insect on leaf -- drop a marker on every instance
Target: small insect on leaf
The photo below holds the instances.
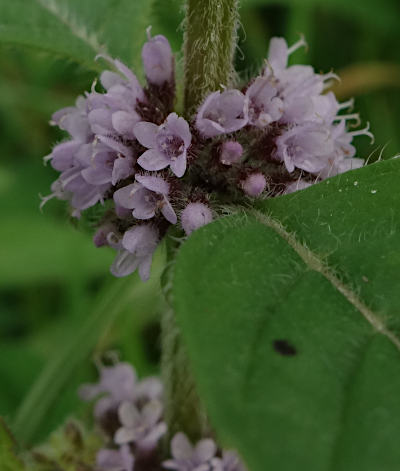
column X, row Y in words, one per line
column 284, row 348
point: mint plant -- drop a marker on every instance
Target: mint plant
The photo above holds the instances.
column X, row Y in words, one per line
column 280, row 338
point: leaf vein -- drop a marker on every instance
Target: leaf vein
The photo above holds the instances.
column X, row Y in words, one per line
column 78, row 30
column 315, row 263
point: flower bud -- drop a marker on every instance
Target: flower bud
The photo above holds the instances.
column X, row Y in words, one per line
column 157, row 60
column 194, row 216
column 254, row 184
column 100, row 238
column 231, row 152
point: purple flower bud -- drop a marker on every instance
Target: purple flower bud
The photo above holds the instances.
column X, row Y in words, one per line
column 231, row 152
column 158, row 60
column 254, row 184
column 100, row 237
column 194, row 216
column 138, row 246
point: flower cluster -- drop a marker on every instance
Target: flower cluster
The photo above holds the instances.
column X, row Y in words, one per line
column 150, row 168
column 130, row 414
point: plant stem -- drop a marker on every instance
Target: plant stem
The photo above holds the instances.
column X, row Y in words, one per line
column 183, row 409
column 210, row 41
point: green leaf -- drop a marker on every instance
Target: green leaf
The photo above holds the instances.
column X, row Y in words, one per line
column 291, row 320
column 8, row 459
column 77, row 30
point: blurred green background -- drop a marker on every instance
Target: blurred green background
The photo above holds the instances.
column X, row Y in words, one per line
column 59, row 307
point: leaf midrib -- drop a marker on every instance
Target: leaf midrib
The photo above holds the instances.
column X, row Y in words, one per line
column 315, row 263
column 93, row 44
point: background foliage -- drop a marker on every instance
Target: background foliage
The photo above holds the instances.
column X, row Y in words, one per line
column 54, row 286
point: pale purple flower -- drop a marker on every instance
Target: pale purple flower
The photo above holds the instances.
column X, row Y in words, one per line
column 148, row 195
column 186, row 457
column 119, row 382
column 342, row 158
column 299, row 87
column 74, row 120
column 62, row 155
column 231, row 152
column 194, row 216
column 115, row 460
column 263, row 103
column 140, row 426
column 221, row 113
column 113, row 114
column 279, row 53
column 307, row 147
column 81, row 194
column 158, row 60
column 104, row 165
column 136, row 251
column 111, row 80
column 254, row 184
column 116, row 384
column 167, row 144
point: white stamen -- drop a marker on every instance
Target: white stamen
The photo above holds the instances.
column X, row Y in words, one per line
column 300, row 43
column 47, row 158
column 363, row 132
column 70, row 179
column 45, row 199
column 329, row 76
column 346, row 117
column 346, row 104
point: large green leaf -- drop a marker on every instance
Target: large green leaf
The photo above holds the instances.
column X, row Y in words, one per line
column 76, row 29
column 291, row 315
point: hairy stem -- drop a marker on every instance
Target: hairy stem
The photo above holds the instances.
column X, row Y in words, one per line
column 183, row 410
column 210, row 41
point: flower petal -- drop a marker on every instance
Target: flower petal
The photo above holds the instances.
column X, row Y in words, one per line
column 153, row 160
column 178, row 166
column 146, row 133
column 128, row 414
column 168, row 212
column 156, row 184
column 181, row 448
column 124, row 196
column 124, row 264
column 144, row 268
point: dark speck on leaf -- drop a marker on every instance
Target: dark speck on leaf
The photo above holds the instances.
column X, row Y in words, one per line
column 284, row 348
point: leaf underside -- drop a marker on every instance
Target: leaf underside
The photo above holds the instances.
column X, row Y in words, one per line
column 78, row 30
column 290, row 314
